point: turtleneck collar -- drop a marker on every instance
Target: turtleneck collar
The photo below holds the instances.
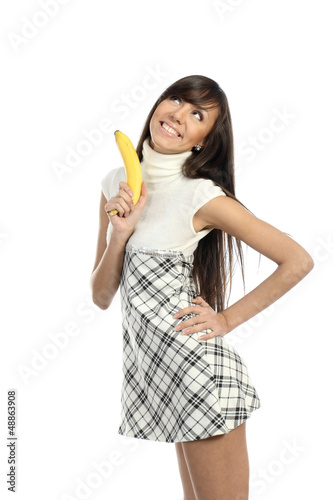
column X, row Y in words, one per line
column 161, row 167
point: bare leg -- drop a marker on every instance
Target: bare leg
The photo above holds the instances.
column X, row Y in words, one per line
column 219, row 466
column 184, row 474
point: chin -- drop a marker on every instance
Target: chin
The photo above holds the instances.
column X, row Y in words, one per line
column 161, row 146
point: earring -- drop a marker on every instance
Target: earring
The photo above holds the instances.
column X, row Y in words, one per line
column 198, row 147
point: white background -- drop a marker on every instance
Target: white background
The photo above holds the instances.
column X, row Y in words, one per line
column 62, row 74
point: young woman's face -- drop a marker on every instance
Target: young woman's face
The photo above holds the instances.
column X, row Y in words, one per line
column 176, row 125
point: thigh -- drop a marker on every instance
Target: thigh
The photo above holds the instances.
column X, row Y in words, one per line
column 184, row 473
column 219, row 466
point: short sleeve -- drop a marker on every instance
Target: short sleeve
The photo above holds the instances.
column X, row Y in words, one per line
column 205, row 191
column 110, row 182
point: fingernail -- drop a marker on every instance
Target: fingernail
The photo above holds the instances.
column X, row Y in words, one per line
column 176, row 315
column 130, row 193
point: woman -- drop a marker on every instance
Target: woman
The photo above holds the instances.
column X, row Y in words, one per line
column 172, row 256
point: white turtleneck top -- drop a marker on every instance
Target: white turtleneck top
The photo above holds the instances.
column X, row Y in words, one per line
column 166, row 222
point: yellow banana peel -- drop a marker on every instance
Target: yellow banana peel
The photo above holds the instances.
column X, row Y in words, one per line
column 132, row 166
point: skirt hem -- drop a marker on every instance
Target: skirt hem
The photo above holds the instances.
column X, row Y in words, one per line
column 218, row 432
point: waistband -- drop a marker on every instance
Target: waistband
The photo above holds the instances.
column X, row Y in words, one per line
column 158, row 252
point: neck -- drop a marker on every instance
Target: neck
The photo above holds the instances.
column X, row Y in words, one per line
column 159, row 166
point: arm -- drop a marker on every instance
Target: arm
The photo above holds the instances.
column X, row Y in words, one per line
column 106, row 274
column 293, row 261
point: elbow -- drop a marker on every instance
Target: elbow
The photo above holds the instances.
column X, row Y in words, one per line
column 101, row 303
column 308, row 264
column 298, row 269
column 102, row 298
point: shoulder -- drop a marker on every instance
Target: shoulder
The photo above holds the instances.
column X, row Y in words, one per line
column 110, row 181
column 208, row 185
column 205, row 190
column 195, row 194
column 200, row 184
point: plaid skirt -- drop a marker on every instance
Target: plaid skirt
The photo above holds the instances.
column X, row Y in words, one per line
column 174, row 386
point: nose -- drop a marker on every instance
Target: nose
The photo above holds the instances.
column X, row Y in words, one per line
column 180, row 114
column 177, row 116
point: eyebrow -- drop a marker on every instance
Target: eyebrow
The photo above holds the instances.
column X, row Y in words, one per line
column 197, row 106
column 205, row 110
column 202, row 108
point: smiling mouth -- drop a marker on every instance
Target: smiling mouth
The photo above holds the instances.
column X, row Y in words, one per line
column 170, row 129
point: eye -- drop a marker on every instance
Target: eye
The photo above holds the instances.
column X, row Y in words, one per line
column 175, row 98
column 199, row 114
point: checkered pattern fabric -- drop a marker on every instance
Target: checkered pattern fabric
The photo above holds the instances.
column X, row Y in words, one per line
column 174, row 387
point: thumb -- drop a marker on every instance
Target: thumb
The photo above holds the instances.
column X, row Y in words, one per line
column 144, row 193
column 199, row 300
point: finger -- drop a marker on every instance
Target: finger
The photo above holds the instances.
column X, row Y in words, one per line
column 119, row 204
column 125, row 193
column 144, row 191
column 199, row 300
column 121, row 198
column 143, row 196
column 188, row 310
column 108, row 207
column 208, row 336
column 125, row 187
column 187, row 323
column 195, row 328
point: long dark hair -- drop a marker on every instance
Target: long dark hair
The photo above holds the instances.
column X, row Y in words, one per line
column 216, row 162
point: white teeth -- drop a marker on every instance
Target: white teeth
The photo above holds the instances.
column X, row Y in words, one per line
column 169, row 129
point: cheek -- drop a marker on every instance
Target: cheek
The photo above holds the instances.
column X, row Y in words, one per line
column 161, row 108
column 196, row 134
column 154, row 122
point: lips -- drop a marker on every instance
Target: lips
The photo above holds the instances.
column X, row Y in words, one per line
column 170, row 128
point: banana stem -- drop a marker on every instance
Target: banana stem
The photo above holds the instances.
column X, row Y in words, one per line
column 112, row 212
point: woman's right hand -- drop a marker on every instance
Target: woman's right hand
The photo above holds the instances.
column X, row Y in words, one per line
column 128, row 214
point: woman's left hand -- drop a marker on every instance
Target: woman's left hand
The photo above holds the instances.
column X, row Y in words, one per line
column 206, row 318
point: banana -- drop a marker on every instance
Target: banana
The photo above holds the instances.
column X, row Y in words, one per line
column 132, row 166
